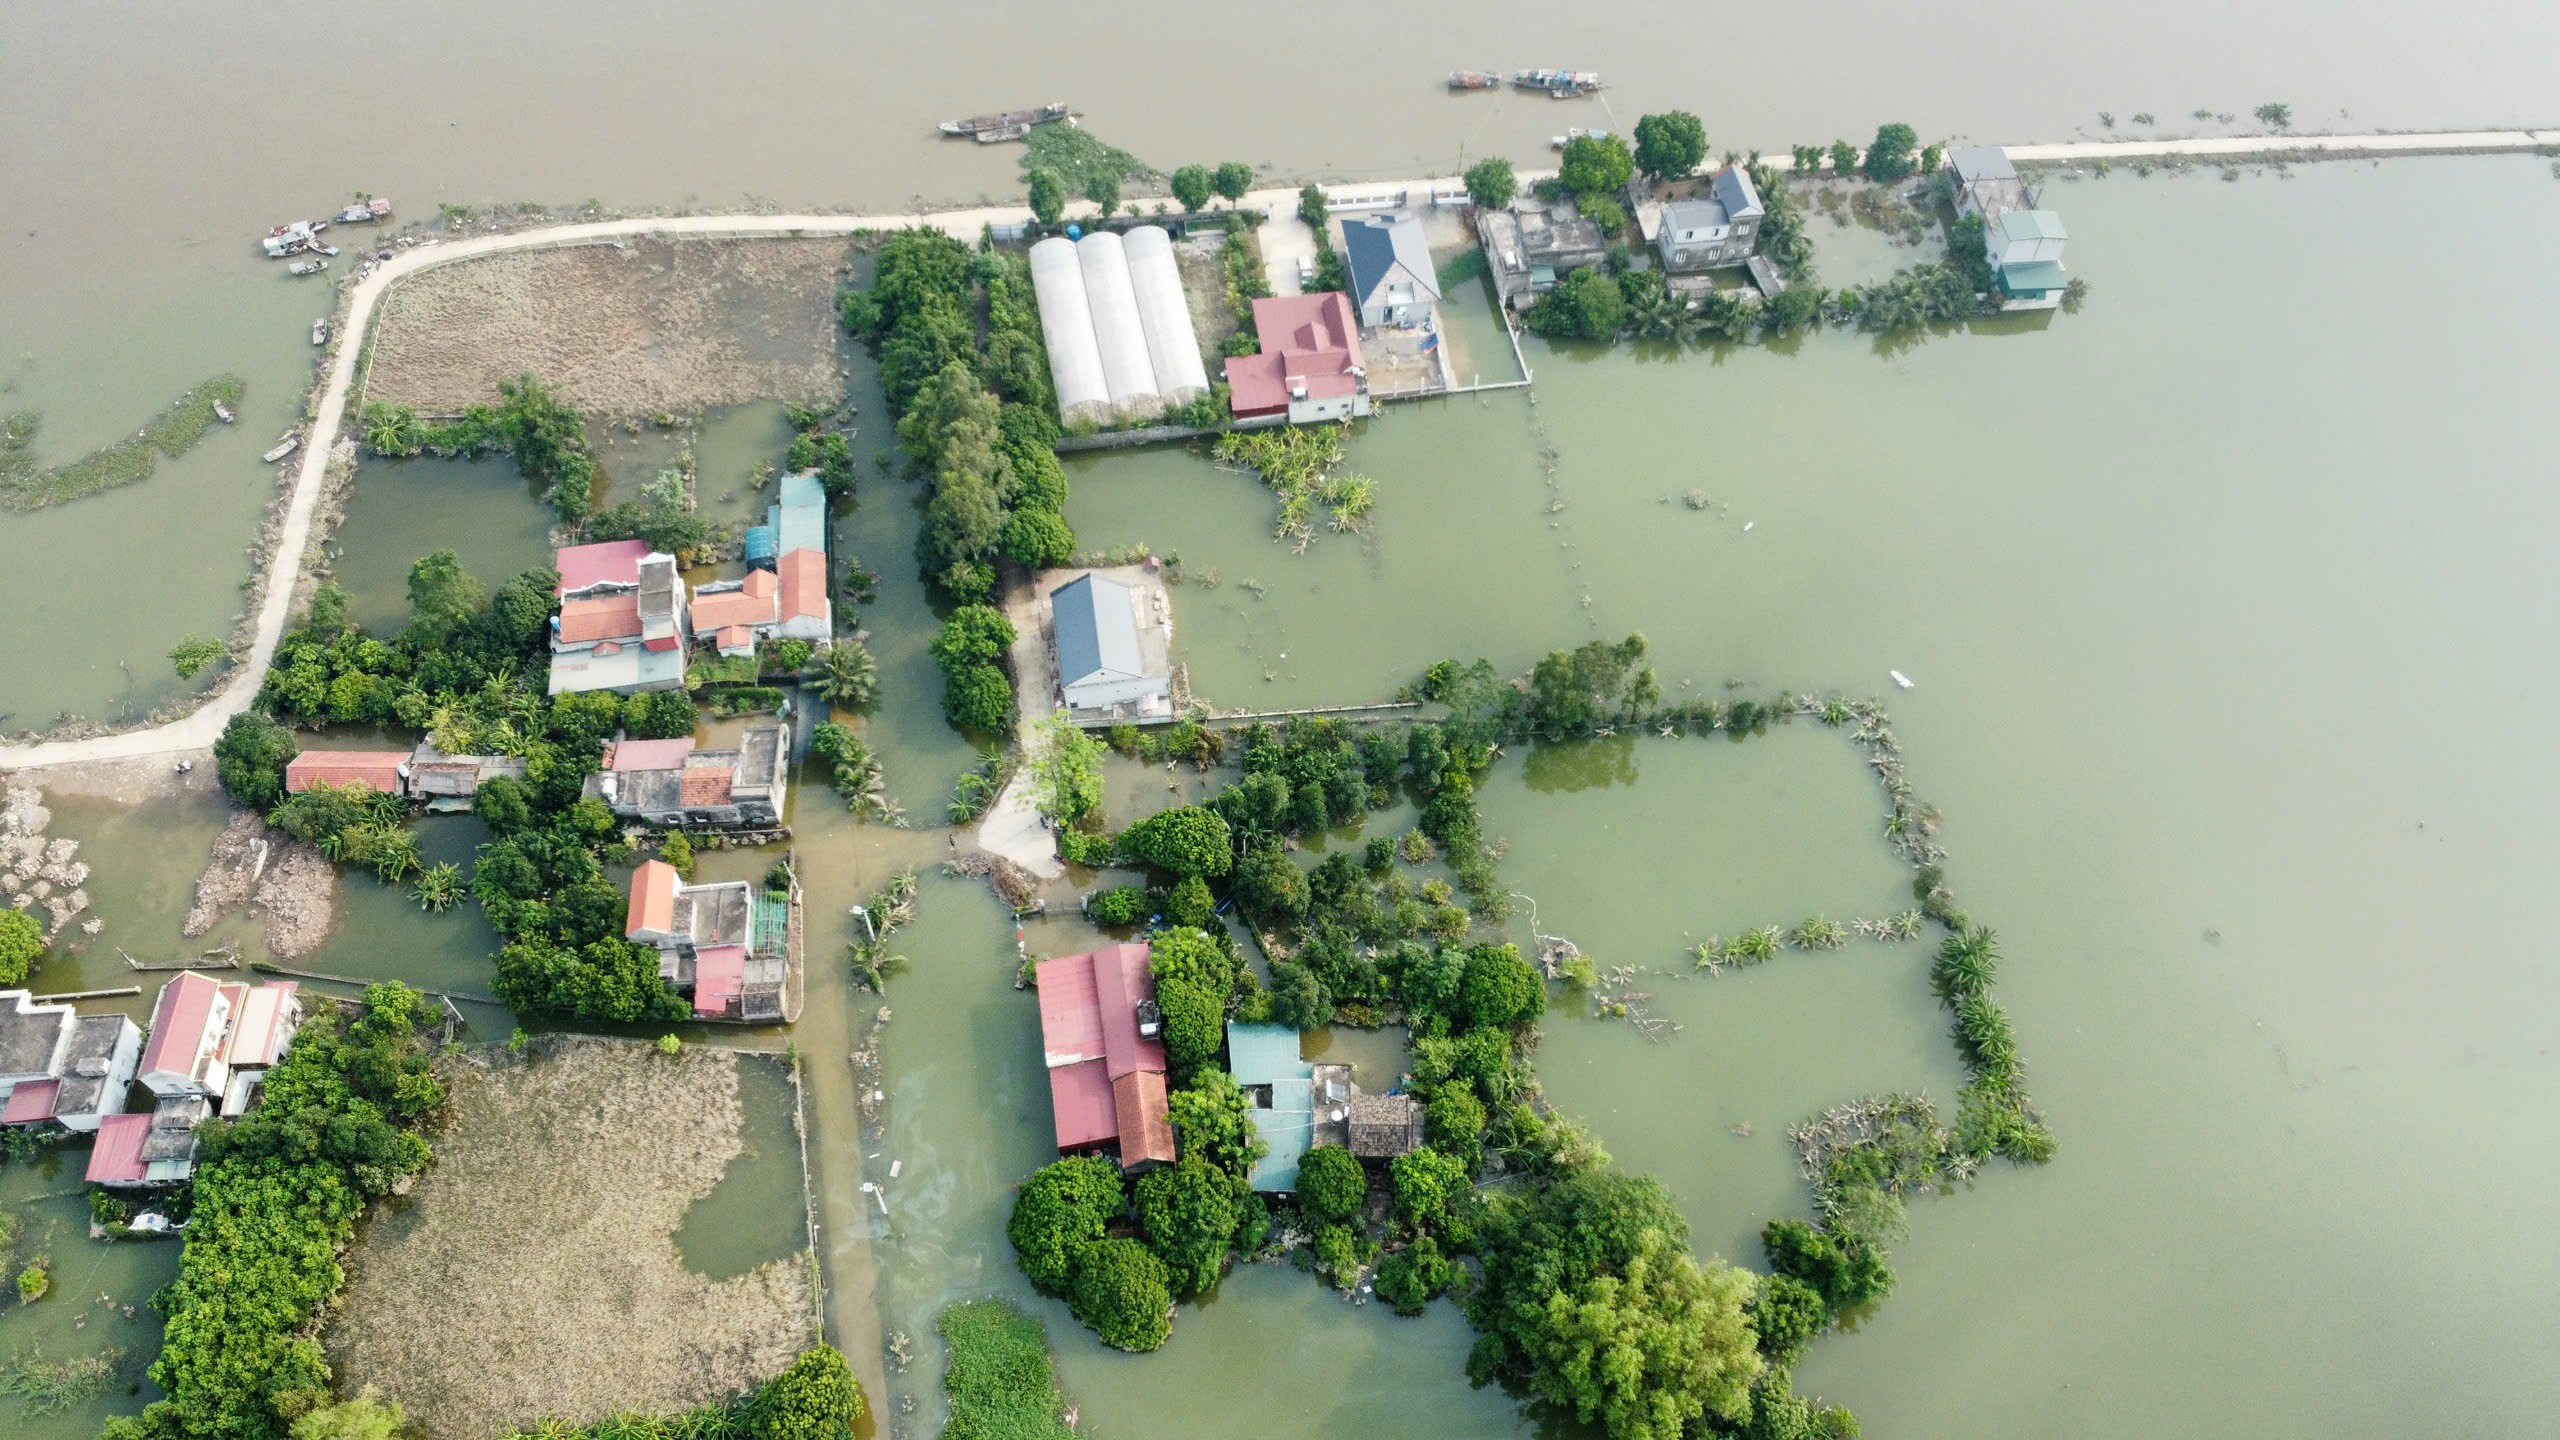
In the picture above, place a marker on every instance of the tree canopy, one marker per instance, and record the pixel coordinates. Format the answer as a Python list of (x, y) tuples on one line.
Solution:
[(1895, 153), (1185, 839), (1232, 180), (1192, 185), (1125, 1294), (816, 1399), (251, 756), (1596, 165), (1670, 145), (1048, 196), (1188, 1211), (1059, 1213), (1331, 1185), (21, 945), (1491, 184), (1585, 305)]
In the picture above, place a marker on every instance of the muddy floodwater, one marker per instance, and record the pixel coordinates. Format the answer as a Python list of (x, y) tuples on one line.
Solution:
[(2228, 602)]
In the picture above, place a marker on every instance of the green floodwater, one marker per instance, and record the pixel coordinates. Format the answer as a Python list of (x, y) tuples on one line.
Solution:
[(82, 1316), (752, 1216), (2220, 598)]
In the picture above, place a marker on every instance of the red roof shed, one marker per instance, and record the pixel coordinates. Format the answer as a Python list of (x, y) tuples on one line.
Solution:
[(31, 1101), (117, 1157), (377, 770)]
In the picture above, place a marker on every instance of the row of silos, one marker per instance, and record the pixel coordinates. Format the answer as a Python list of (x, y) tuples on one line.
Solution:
[(1117, 326)]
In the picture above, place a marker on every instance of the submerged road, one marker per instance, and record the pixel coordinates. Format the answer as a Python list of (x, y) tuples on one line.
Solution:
[(198, 730)]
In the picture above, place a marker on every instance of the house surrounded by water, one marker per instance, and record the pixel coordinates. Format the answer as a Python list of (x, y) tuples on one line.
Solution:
[(678, 784), (621, 625), (60, 1067), (1114, 662), (1392, 279), (212, 1044), (725, 944), (1100, 1042)]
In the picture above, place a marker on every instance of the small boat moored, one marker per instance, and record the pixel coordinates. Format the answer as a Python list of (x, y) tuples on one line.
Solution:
[(1009, 119), (291, 442), (1474, 79), (372, 210), (1558, 142), (1900, 679), (320, 332), (306, 267), (291, 239), (223, 413), (1002, 133)]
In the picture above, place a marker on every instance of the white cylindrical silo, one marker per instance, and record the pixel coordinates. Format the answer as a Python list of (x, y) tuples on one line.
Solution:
[(1066, 326), (1125, 366), (1173, 347)]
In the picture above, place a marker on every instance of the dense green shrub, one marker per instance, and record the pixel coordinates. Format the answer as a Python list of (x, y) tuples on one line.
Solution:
[(1000, 1380), (1410, 1278), (1120, 905), (1123, 1292), (1186, 840), (1787, 1313), (1188, 1213), (251, 756), (816, 1399), (1059, 1213), (21, 945), (1331, 1185)]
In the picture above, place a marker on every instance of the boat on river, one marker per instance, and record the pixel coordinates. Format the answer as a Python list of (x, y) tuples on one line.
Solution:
[(1002, 133), (1474, 79), (293, 237), (306, 267), (371, 211), (223, 413), (1900, 679), (1561, 84), (1558, 142), (282, 448), (320, 332), (977, 125)]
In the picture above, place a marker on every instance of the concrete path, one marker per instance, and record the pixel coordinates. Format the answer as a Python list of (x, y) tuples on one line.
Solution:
[(198, 730)]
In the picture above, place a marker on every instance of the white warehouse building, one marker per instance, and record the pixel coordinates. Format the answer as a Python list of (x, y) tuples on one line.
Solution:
[(1118, 328), (1172, 346), (1066, 327)]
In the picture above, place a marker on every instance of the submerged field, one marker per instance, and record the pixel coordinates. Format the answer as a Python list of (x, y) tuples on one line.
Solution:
[(535, 1271)]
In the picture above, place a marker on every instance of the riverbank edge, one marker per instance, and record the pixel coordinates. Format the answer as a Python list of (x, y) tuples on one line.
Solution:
[(288, 556)]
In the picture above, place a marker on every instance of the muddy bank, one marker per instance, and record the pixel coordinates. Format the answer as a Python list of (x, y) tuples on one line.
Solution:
[(533, 1272), (297, 899), (622, 329), (238, 863), (38, 873)]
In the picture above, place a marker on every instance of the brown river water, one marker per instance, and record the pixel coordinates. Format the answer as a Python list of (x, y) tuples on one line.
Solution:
[(2229, 602)]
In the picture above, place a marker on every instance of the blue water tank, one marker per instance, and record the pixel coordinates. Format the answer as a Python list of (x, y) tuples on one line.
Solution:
[(760, 547), (1075, 232)]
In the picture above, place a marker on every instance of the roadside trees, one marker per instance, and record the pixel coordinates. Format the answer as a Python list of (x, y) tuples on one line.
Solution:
[(1104, 190), (1192, 185), (1232, 180), (1892, 157), (1844, 158), (1491, 184), (1670, 145), (1597, 165), (1048, 196), (251, 756)]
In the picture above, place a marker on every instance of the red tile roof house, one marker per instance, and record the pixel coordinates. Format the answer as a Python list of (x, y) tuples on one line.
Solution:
[(622, 627), (385, 772), (58, 1067), (1098, 1034), (720, 943), (1309, 368), (210, 1050)]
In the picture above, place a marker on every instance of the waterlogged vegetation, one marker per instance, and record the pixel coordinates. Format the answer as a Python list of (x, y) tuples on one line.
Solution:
[(545, 434), (1297, 462), (25, 485)]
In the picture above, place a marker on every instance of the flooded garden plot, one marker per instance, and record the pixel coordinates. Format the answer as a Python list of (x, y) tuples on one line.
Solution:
[(627, 329), (551, 1214)]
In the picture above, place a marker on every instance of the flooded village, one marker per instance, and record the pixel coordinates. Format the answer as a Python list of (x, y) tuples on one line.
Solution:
[(966, 819)]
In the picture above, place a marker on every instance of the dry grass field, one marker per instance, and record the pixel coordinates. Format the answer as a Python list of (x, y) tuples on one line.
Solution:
[(534, 1273)]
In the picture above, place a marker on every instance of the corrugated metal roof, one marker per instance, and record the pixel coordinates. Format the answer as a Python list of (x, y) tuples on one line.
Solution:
[(608, 562), (264, 1025), (1070, 1017), (1288, 1129), (1261, 1054), (719, 978), (2035, 275), (1081, 1105), (29, 1101), (117, 1157), (378, 769), (1981, 162), (1096, 618), (2032, 225), (647, 754), (178, 1021), (1145, 1124), (653, 898), (611, 616), (1121, 979), (799, 516)]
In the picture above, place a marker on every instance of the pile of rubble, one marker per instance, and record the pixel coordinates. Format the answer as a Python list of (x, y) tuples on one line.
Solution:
[(37, 872)]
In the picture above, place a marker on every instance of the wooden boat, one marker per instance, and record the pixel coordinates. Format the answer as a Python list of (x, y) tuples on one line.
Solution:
[(1001, 134), (320, 332), (1474, 79), (306, 267), (284, 447), (1558, 142), (366, 212), (291, 239), (223, 413), (1007, 120), (1562, 84)]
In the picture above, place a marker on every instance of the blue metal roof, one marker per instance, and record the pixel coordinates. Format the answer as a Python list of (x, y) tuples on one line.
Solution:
[(1097, 623), (1260, 1054), (1288, 1128)]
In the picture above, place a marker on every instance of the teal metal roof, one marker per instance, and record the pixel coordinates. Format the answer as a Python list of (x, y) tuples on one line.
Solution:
[(1288, 1128), (2033, 276), (1262, 1054), (2033, 225)]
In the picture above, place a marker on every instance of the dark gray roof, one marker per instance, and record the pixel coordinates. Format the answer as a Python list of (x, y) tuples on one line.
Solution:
[(762, 753), (713, 914), (1981, 162), (1373, 246), (1741, 198), (1097, 623)]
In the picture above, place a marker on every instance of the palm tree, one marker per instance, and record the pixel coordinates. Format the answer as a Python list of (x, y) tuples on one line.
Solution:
[(390, 429), (438, 887), (849, 676), (1966, 965)]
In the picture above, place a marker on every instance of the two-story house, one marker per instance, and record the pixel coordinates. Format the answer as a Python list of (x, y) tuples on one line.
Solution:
[(1392, 280), (623, 627), (1718, 228), (2025, 251), (61, 1067), (724, 944), (677, 784), (211, 1047)]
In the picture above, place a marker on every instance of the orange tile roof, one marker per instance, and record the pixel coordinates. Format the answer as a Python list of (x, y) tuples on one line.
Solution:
[(752, 604), (804, 583), (704, 785), (600, 617), (653, 898), (1139, 1107), (377, 769)]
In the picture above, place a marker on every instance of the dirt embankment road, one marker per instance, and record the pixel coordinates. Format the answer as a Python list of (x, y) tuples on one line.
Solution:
[(199, 729)]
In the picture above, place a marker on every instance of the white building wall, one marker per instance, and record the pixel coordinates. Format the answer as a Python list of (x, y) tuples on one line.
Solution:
[(1126, 368), (1173, 347), (1066, 326), (1099, 694)]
